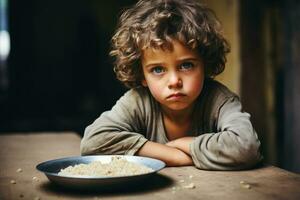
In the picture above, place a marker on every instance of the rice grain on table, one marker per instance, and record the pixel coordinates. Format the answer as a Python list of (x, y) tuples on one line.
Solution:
[(117, 167)]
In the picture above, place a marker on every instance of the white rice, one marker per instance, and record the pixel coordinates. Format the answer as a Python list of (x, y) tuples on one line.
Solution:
[(117, 167)]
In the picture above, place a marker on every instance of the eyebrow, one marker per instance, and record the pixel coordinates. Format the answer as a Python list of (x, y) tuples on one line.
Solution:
[(154, 64), (178, 60)]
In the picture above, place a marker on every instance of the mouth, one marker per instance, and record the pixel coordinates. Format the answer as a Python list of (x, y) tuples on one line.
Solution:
[(176, 96)]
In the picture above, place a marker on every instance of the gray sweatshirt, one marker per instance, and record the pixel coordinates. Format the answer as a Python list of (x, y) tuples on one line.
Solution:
[(224, 136)]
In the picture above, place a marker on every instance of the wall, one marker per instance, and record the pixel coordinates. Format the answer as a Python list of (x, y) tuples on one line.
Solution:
[(227, 12)]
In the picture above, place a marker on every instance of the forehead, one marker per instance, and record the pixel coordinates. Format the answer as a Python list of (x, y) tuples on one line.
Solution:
[(176, 49)]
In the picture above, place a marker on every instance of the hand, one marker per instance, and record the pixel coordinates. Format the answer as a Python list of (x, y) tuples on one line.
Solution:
[(182, 144), (170, 155)]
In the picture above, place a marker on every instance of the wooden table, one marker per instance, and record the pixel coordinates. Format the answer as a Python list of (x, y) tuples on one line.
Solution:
[(19, 179)]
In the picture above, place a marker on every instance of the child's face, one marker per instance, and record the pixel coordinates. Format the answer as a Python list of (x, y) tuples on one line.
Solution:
[(175, 78)]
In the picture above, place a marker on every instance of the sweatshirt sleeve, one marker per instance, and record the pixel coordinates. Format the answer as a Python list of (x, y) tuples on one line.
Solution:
[(234, 146), (118, 131)]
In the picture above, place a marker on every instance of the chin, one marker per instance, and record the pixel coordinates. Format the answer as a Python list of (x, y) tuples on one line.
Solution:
[(178, 107)]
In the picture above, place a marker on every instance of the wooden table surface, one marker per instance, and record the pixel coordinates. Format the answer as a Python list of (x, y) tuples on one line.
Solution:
[(20, 153)]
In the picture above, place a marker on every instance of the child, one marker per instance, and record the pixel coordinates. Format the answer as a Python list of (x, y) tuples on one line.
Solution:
[(167, 52)]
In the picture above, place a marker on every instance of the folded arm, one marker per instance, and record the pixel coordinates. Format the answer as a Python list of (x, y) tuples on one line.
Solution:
[(120, 131), (172, 156), (182, 144), (234, 146)]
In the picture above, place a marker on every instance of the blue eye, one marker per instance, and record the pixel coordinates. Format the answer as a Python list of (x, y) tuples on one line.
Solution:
[(157, 70), (186, 66)]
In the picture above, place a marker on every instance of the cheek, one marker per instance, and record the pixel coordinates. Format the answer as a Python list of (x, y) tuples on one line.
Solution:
[(155, 89), (196, 88), (195, 84)]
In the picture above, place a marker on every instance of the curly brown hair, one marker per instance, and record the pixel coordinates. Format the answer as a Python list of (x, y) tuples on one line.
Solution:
[(155, 23)]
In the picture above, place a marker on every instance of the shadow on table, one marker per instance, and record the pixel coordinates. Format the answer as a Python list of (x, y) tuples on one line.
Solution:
[(153, 183)]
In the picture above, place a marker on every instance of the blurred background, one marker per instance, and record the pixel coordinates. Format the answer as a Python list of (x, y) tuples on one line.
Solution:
[(56, 75)]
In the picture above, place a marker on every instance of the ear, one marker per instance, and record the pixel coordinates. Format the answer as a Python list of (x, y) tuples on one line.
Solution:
[(144, 83)]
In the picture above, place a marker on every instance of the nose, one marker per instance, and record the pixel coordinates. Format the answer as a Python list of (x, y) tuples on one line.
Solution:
[(174, 81)]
